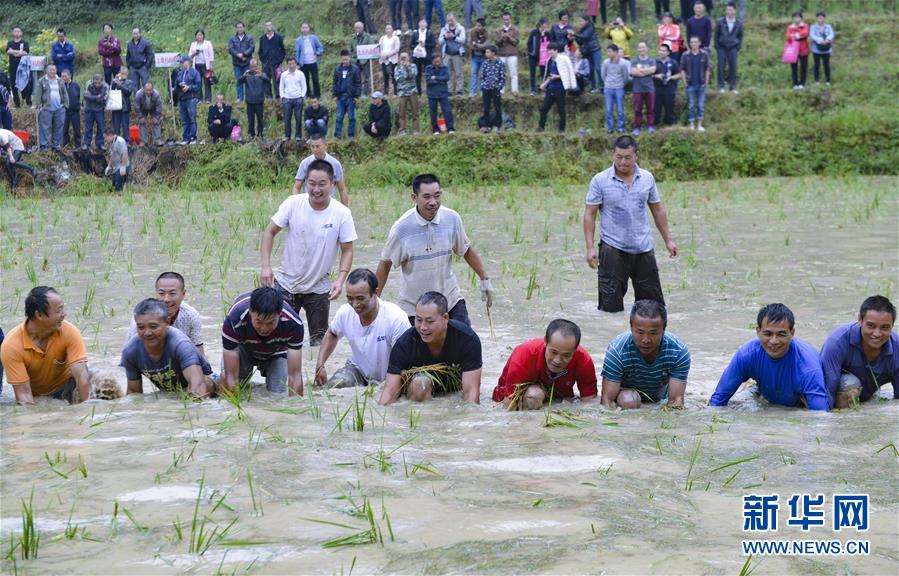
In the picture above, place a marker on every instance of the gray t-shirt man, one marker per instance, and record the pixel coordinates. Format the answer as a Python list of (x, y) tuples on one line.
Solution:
[(615, 74), (643, 84), (118, 154)]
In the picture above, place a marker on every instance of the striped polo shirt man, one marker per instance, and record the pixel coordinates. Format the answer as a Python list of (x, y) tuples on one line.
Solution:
[(238, 331), (625, 365)]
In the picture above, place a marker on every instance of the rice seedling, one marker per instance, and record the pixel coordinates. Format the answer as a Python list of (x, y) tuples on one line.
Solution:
[(414, 418), (891, 446), (238, 396), (532, 282), (31, 273), (747, 569), (412, 469), (202, 535), (444, 379), (130, 516), (358, 421), (30, 538), (372, 533), (81, 467), (694, 455), (257, 510), (555, 417)]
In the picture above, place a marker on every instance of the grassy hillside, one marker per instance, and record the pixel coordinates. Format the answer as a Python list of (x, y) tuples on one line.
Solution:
[(768, 129)]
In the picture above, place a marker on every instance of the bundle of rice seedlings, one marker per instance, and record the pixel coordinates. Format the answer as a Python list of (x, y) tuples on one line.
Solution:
[(445, 379), (515, 399)]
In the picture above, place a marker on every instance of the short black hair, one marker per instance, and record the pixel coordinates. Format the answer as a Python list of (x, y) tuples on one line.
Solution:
[(563, 13), (37, 301), (625, 142), (200, 31), (173, 276), (797, 13), (481, 21), (774, 314), (436, 298), (60, 30), (557, 46), (666, 46), (730, 4), (491, 48), (321, 166), (426, 178), (111, 27), (109, 131), (238, 23), (649, 309), (289, 58), (821, 13), (506, 13), (566, 327), (543, 20), (344, 52), (613, 47), (266, 300), (363, 275), (149, 306), (877, 304), (317, 135)]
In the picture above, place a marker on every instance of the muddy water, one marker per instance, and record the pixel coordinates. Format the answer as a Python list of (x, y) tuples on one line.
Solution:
[(465, 488)]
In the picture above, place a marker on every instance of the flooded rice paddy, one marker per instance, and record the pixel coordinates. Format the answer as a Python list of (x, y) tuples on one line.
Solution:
[(331, 483)]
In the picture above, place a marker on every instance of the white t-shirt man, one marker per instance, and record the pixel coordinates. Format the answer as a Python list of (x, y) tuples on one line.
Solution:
[(310, 248), (303, 170), (424, 251), (371, 345)]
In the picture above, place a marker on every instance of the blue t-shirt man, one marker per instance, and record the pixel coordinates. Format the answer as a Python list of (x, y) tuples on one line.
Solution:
[(794, 377), (167, 372), (625, 365), (842, 353)]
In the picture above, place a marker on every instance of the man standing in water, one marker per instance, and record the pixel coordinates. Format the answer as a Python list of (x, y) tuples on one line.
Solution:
[(862, 356), (319, 147), (45, 355), (436, 339), (164, 355), (170, 290), (787, 370), (645, 364), (422, 243), (371, 327), (551, 365), (620, 195), (317, 227)]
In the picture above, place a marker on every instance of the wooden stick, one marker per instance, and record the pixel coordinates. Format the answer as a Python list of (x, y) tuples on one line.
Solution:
[(490, 320)]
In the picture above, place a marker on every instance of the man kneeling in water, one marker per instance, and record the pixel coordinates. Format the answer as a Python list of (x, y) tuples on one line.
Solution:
[(443, 347), (647, 363), (553, 365), (164, 355)]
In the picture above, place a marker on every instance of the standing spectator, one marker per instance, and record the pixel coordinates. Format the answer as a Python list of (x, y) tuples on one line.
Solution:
[(73, 112), (697, 69), (625, 6), (15, 50), (12, 149), (437, 78), (665, 79), (379, 123), (363, 13), (187, 83), (662, 7), (110, 50), (797, 31), (308, 50), (452, 42), (728, 42), (410, 9), (389, 45), (5, 103), (361, 38), (139, 58), (470, 7), (63, 53), (591, 51), (423, 44), (255, 83), (53, 100), (95, 96), (218, 120), (559, 78), (345, 88), (687, 7), (119, 164), (148, 105), (620, 194), (493, 79), (642, 70), (620, 35), (121, 119), (405, 76), (315, 118), (559, 32), (616, 71), (478, 40), (538, 52), (241, 47), (822, 36), (670, 34), (271, 55), (292, 88), (396, 13), (597, 8), (430, 6), (203, 55), (700, 25), (506, 40)]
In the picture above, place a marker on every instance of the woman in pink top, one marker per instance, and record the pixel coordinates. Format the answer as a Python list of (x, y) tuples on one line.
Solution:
[(669, 32), (797, 31)]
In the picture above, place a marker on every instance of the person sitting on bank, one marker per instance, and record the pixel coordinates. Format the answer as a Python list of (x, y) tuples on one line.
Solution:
[(164, 355), (371, 326), (262, 331), (645, 364), (449, 351), (45, 355), (315, 118), (170, 290), (378, 125), (788, 370), (862, 356), (119, 164), (551, 366), (218, 120)]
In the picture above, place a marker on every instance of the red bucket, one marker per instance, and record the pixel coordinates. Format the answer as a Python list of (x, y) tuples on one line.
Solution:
[(23, 136), (134, 133), (441, 125)]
